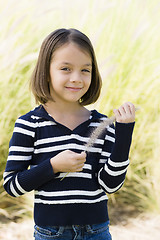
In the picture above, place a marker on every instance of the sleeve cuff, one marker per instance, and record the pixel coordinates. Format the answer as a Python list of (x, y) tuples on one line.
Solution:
[(123, 139), (37, 176)]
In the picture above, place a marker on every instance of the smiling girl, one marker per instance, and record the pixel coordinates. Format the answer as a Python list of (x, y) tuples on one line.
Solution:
[(49, 141)]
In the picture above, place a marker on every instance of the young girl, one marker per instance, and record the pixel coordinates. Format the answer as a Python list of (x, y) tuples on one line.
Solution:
[(51, 140)]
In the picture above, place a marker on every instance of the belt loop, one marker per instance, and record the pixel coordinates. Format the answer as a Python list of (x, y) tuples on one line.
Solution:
[(61, 230), (73, 226), (88, 228)]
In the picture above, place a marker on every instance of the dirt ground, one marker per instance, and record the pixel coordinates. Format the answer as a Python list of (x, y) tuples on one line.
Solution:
[(141, 227)]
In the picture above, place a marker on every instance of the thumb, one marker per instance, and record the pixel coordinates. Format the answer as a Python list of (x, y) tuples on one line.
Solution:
[(83, 154)]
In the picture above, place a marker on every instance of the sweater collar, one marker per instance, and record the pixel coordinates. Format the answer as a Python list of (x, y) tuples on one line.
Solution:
[(41, 112)]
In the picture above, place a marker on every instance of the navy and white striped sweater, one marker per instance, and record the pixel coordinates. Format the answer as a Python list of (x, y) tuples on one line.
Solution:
[(81, 197)]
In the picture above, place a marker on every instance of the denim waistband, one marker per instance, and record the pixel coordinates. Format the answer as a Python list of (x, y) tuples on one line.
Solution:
[(86, 227), (72, 230)]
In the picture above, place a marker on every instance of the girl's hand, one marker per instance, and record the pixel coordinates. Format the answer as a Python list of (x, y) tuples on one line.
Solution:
[(68, 161), (125, 113)]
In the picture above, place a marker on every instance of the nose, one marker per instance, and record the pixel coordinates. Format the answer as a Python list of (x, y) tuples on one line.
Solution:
[(75, 77)]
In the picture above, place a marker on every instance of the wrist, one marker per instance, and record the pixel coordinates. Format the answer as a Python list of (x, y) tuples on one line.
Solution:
[(55, 169)]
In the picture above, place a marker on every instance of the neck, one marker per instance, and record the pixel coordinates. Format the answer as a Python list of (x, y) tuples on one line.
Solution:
[(68, 108), (70, 116)]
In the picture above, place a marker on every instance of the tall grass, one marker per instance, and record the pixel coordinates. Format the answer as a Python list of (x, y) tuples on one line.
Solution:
[(126, 36)]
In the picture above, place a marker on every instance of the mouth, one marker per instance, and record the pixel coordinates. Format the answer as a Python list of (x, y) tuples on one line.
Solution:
[(73, 89)]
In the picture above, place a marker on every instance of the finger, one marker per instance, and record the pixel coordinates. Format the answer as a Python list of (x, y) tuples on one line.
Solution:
[(132, 107), (117, 115), (81, 156), (79, 169), (122, 110), (80, 166), (80, 162), (127, 108)]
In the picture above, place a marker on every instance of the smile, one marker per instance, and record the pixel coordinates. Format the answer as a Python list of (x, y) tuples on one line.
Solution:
[(73, 89)]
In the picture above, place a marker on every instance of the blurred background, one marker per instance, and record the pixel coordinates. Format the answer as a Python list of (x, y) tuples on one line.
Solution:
[(126, 38)]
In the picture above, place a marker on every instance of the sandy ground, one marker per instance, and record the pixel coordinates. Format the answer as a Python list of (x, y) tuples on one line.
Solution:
[(143, 227)]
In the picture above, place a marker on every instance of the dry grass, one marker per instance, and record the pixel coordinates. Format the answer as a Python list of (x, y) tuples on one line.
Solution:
[(125, 35), (143, 227)]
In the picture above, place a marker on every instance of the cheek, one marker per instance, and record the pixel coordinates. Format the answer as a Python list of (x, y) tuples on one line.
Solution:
[(55, 77), (88, 83)]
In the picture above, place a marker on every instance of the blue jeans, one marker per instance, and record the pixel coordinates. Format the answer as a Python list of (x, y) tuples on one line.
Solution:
[(74, 232)]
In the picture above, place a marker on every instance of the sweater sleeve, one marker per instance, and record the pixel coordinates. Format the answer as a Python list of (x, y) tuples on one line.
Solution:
[(115, 157), (18, 177)]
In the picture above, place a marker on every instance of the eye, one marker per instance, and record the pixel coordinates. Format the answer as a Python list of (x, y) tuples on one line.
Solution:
[(65, 69), (86, 70)]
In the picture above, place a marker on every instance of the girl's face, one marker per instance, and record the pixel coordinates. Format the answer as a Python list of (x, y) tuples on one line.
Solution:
[(70, 73)]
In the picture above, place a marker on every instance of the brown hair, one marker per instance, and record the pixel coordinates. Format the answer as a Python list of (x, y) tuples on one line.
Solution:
[(41, 75)]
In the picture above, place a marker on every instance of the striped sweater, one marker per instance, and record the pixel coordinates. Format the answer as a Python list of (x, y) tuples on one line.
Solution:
[(81, 197)]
